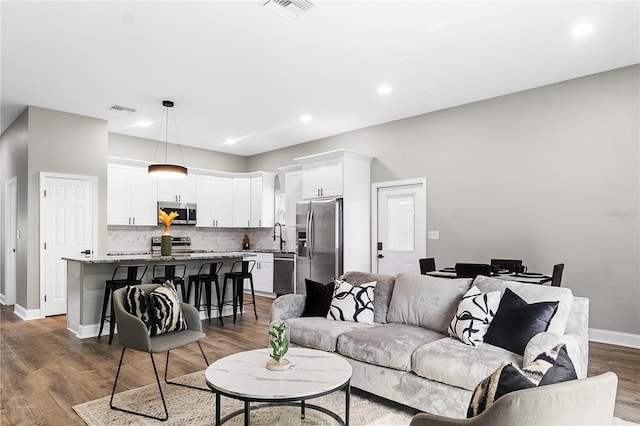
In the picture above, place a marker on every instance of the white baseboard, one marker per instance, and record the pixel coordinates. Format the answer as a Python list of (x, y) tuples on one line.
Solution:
[(614, 338), (25, 314)]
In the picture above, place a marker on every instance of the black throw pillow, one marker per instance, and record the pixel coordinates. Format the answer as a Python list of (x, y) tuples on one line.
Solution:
[(517, 321), (318, 299)]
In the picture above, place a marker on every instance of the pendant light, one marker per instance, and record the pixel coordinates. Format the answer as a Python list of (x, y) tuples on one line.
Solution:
[(167, 170)]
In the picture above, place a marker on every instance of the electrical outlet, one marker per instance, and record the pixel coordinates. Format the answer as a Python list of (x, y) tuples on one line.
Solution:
[(433, 235)]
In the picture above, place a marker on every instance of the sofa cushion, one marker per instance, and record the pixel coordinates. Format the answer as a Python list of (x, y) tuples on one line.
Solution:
[(389, 345), (517, 321), (474, 314), (533, 293), (318, 298), (352, 303), (319, 333), (381, 295), (452, 362), (426, 301), (553, 366)]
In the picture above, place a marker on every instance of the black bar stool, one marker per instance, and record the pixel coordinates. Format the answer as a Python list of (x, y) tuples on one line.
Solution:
[(174, 273), (206, 276), (118, 280), (240, 271)]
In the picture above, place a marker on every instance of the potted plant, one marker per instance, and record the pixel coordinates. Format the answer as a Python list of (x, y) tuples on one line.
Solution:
[(278, 345)]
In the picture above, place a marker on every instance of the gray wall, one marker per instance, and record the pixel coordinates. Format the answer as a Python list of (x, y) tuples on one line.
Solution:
[(549, 175), (13, 145)]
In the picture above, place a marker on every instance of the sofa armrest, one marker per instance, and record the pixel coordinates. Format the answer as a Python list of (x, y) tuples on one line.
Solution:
[(287, 306)]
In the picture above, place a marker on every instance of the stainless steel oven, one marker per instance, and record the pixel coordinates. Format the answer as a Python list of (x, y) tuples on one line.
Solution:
[(187, 212)]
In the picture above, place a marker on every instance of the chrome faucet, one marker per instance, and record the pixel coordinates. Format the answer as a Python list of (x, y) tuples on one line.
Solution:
[(280, 235)]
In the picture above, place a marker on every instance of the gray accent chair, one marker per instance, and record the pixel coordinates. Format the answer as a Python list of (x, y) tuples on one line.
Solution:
[(133, 334), (580, 402)]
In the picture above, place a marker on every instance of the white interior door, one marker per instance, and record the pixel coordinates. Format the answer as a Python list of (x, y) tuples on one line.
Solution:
[(401, 228), (68, 231), (11, 240)]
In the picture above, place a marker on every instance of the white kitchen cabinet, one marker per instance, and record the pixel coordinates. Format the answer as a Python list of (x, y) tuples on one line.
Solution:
[(323, 178), (241, 202), (262, 273), (293, 182), (223, 201), (182, 190), (262, 200), (131, 196), (214, 200)]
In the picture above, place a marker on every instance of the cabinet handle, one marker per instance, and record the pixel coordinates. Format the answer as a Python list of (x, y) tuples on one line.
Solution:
[(134, 220), (129, 220), (260, 222), (248, 223)]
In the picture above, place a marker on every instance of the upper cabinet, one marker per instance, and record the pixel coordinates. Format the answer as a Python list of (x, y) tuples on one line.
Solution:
[(293, 179), (181, 190), (262, 200), (131, 196), (334, 173), (241, 202), (235, 200)]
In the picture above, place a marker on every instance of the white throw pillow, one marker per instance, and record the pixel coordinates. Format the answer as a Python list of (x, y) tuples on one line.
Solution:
[(351, 303), (474, 314)]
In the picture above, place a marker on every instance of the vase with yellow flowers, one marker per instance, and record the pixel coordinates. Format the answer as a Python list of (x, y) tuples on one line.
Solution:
[(165, 247)]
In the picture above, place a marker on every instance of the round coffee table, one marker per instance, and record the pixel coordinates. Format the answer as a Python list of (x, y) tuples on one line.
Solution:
[(313, 373)]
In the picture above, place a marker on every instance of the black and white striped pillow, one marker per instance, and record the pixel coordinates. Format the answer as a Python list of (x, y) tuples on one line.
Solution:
[(474, 315), (351, 303), (159, 310)]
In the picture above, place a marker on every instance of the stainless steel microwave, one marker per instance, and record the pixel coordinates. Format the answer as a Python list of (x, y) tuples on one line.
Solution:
[(187, 214)]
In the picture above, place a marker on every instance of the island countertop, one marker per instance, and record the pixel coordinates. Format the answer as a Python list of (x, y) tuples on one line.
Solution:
[(158, 258)]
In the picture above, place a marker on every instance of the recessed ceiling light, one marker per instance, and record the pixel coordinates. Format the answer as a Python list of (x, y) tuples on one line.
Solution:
[(384, 89), (143, 123), (306, 118), (582, 30)]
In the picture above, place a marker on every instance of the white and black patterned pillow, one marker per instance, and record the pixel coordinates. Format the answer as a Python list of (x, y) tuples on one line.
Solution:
[(165, 313), (352, 303), (159, 310), (474, 314)]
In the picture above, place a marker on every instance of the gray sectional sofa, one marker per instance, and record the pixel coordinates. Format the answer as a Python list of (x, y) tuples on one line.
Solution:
[(407, 356)]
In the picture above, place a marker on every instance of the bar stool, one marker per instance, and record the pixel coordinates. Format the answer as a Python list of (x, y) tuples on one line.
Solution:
[(133, 277), (163, 273), (206, 276), (240, 271)]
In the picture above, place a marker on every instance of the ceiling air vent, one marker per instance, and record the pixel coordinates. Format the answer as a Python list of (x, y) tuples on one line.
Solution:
[(288, 9), (121, 108)]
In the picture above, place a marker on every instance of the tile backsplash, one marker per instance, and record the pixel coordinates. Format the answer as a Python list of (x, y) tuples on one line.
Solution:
[(135, 239)]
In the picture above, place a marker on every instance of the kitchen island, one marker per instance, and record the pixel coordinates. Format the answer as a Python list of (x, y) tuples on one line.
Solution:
[(86, 276)]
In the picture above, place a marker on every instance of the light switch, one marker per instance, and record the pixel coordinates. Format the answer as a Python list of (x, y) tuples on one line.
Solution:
[(433, 235)]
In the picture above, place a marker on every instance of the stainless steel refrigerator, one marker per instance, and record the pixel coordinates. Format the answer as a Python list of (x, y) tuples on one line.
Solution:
[(319, 241)]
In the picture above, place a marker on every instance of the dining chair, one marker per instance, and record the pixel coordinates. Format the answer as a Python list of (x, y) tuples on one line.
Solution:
[(472, 270), (134, 334), (508, 264), (427, 265), (556, 276)]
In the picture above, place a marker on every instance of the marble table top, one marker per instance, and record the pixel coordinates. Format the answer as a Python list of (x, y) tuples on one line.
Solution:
[(246, 376)]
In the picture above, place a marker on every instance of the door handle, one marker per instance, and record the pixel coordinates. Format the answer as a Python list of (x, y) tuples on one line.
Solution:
[(380, 256)]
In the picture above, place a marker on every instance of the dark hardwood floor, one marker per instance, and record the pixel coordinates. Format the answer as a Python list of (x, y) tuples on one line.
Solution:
[(45, 370)]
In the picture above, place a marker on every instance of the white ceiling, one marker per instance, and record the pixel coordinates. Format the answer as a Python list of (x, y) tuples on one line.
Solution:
[(237, 71)]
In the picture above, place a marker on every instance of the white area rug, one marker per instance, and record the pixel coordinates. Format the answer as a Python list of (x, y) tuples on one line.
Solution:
[(192, 407)]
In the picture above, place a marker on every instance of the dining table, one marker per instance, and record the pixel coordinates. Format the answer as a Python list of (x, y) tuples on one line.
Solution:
[(522, 277)]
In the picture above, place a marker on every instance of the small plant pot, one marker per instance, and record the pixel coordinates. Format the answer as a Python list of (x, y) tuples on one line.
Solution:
[(274, 365)]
